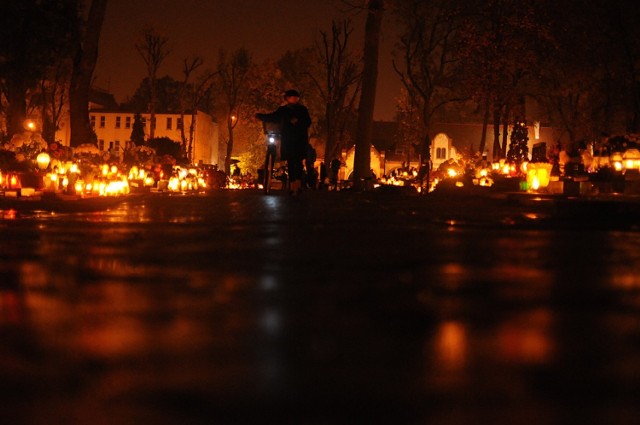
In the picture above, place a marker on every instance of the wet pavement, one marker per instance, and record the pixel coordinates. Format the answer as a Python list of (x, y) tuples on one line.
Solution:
[(330, 308)]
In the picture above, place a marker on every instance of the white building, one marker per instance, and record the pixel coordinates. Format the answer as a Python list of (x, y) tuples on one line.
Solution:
[(113, 130)]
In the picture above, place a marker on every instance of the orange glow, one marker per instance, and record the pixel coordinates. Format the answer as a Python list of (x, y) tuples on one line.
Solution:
[(526, 339), (29, 125), (451, 345)]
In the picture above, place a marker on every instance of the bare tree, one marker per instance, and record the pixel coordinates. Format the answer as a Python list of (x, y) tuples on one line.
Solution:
[(191, 95), (153, 49), (53, 94), (36, 37), (232, 75), (410, 126), (427, 63), (83, 67), (339, 82), (503, 45)]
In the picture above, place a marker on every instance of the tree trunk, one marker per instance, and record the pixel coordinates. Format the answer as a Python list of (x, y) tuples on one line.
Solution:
[(183, 135), (227, 158), (362, 161), (83, 66), (505, 132), (497, 151), (330, 146), (152, 106), (17, 108), (192, 131), (424, 174), (485, 124)]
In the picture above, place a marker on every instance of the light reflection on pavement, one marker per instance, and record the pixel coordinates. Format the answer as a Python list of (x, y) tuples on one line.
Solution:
[(332, 308)]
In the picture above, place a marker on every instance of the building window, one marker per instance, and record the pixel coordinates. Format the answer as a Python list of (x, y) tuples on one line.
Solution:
[(101, 144), (179, 123), (169, 123), (127, 122), (93, 121), (110, 146), (441, 153), (117, 122), (103, 121), (117, 145)]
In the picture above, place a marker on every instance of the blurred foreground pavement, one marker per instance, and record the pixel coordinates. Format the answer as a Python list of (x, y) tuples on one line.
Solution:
[(331, 308)]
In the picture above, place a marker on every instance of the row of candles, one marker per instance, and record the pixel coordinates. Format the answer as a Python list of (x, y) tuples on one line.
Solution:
[(66, 177)]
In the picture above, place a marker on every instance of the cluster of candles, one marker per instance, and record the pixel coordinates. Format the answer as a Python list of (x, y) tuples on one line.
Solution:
[(66, 177), (184, 179)]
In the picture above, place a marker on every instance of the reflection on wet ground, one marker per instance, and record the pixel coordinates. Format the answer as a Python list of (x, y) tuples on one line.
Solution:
[(329, 309)]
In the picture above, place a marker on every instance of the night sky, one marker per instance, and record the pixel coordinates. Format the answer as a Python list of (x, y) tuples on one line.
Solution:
[(267, 28)]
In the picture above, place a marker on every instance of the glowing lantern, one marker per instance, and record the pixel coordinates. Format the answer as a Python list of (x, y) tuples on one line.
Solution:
[(133, 172), (538, 175), (53, 181), (616, 160), (174, 184), (632, 159), (43, 159)]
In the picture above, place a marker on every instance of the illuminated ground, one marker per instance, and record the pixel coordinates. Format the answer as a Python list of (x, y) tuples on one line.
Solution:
[(334, 308)]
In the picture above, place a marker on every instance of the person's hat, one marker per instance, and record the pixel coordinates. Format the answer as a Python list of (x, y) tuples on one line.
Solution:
[(290, 93)]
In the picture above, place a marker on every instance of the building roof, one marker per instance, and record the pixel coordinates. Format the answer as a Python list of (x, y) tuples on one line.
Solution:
[(99, 98)]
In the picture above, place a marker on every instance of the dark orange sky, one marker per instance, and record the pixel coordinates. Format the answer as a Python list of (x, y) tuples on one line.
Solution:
[(267, 28)]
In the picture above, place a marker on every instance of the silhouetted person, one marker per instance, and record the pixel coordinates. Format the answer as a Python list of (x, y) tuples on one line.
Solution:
[(309, 164), (294, 121), (236, 171), (335, 169)]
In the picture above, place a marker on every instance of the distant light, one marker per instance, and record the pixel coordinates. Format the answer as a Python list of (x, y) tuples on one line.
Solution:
[(29, 125)]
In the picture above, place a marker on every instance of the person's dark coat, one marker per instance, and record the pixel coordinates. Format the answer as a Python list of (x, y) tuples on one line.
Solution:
[(294, 122)]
